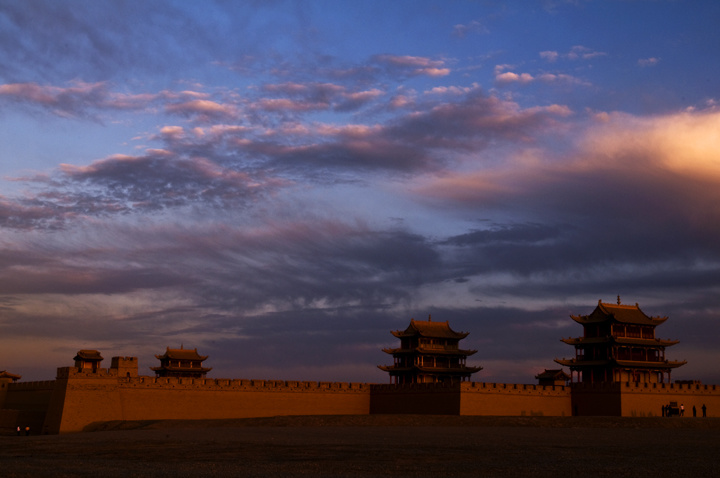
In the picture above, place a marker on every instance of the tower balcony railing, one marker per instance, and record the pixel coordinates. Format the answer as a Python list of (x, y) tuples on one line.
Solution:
[(438, 347)]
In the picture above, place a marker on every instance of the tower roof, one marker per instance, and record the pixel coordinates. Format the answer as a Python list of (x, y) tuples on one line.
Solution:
[(88, 355), (181, 354), (428, 328), (621, 313), (6, 374)]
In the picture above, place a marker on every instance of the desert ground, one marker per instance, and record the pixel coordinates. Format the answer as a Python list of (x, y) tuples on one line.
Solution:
[(378, 445)]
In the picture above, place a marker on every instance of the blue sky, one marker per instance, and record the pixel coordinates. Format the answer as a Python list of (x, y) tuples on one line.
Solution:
[(280, 184)]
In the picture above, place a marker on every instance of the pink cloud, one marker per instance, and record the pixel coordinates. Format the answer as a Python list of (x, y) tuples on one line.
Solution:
[(286, 104), (503, 77), (549, 55), (202, 107), (461, 30), (663, 170), (648, 61), (414, 65), (510, 77), (580, 52)]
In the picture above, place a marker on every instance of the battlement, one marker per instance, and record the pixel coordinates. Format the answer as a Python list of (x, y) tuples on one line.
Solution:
[(512, 387), (683, 388), (647, 387), (144, 381), (76, 372), (221, 384), (475, 387), (425, 387), (39, 385)]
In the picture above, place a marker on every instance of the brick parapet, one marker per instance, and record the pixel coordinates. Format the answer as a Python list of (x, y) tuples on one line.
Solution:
[(649, 387), (39, 385), (72, 374), (514, 388), (219, 384), (474, 387)]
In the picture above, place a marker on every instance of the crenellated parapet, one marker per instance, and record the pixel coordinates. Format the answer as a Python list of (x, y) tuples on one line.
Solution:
[(39, 385), (472, 398), (644, 387), (515, 388), (219, 384), (210, 384)]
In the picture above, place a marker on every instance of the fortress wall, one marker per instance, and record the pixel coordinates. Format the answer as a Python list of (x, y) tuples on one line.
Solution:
[(596, 399), (629, 399), (479, 398), (93, 397), (471, 398), (33, 396), (26, 404), (9, 420), (416, 398), (642, 400)]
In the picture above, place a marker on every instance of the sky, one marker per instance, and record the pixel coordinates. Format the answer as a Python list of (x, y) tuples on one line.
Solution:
[(280, 184)]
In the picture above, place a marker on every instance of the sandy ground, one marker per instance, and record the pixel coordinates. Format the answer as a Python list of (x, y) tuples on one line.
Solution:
[(380, 445)]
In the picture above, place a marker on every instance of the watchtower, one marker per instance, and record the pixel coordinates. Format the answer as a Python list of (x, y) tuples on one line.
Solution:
[(429, 353), (181, 363), (88, 360), (619, 345)]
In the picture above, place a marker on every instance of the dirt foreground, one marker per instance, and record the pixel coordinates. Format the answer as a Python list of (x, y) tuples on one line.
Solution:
[(377, 445)]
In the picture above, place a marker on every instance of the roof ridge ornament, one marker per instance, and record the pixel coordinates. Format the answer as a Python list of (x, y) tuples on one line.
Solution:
[(618, 299)]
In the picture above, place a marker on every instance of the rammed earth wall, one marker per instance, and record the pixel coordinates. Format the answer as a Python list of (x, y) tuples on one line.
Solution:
[(472, 398), (76, 399), (514, 399), (94, 397), (629, 399), (26, 405)]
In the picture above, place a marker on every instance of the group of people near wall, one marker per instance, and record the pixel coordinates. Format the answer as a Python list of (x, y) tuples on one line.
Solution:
[(672, 409)]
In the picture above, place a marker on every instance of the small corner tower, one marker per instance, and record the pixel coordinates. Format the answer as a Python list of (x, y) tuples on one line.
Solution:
[(429, 353), (553, 377), (124, 366), (88, 360), (619, 345), (181, 363)]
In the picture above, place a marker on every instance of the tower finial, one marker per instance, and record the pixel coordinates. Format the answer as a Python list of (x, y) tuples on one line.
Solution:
[(618, 299), (429, 318)]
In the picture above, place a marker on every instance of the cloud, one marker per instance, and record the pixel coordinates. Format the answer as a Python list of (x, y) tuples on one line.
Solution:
[(462, 30), (503, 77), (124, 184), (652, 61), (94, 100), (472, 123), (206, 108), (77, 100), (638, 198), (549, 55), (577, 52), (510, 77), (580, 52), (412, 65)]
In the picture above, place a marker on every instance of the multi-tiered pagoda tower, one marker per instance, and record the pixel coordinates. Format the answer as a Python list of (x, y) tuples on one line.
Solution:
[(181, 363), (619, 345), (429, 353)]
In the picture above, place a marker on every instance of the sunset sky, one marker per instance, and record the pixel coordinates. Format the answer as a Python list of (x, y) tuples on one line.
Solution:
[(280, 184)]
